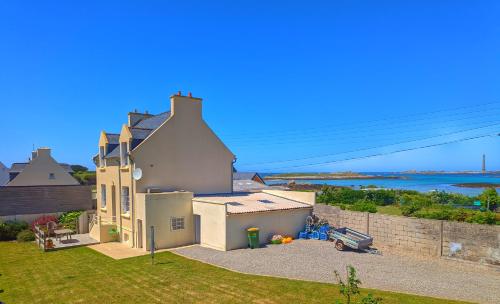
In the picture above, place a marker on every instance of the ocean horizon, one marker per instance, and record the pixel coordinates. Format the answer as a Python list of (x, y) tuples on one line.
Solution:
[(409, 181)]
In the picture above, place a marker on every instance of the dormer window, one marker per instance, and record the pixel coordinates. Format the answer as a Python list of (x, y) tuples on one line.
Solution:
[(101, 157), (124, 154)]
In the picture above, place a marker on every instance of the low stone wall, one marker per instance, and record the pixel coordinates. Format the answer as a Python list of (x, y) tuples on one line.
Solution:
[(421, 237)]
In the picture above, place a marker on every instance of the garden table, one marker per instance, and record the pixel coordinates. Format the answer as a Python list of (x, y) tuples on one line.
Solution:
[(63, 232)]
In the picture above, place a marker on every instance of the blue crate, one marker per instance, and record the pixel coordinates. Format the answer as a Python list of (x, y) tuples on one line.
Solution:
[(324, 229), (314, 235), (302, 235), (323, 236)]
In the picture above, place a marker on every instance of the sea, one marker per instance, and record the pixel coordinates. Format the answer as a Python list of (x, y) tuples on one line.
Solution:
[(418, 182)]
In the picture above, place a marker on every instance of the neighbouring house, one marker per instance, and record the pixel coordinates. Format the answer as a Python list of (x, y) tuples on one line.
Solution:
[(248, 176), (41, 186), (171, 172), (41, 170), (4, 174)]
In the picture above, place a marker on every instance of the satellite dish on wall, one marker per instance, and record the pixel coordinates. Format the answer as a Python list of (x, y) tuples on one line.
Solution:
[(137, 174)]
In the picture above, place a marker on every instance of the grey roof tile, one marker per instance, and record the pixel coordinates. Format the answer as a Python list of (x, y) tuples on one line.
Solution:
[(112, 138), (153, 122), (17, 167)]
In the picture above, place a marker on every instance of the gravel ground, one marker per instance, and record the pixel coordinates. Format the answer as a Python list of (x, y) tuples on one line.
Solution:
[(316, 261)]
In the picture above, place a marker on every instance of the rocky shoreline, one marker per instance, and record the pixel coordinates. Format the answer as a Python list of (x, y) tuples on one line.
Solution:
[(477, 185)]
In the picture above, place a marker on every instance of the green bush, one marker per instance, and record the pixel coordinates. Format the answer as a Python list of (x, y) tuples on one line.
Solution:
[(10, 229), (364, 206), (478, 217), (410, 209), (381, 197), (26, 236), (69, 219), (334, 196)]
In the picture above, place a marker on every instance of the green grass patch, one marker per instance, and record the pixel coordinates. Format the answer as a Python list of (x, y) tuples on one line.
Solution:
[(389, 210), (81, 275)]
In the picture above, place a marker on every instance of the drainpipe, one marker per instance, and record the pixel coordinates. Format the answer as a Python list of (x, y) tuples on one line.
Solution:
[(132, 197), (132, 200), (120, 202)]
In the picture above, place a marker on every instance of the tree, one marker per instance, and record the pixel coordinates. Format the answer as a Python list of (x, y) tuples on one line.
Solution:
[(350, 288), (79, 168), (489, 195)]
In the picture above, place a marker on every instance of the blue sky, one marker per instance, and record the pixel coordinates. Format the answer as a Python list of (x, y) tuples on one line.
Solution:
[(280, 81)]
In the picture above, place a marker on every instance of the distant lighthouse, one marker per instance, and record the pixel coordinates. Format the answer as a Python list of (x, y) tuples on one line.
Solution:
[(484, 163)]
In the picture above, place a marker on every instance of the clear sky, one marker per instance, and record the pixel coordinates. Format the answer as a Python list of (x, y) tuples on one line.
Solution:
[(281, 81)]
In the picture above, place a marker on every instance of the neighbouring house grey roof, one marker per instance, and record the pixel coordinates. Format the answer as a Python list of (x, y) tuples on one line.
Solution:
[(4, 174), (244, 175), (238, 203), (247, 185), (153, 122), (17, 167), (66, 167)]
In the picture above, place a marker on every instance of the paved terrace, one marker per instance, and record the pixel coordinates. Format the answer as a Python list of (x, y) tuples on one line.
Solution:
[(316, 261)]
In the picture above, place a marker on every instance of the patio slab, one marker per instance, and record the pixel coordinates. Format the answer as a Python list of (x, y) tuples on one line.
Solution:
[(75, 241), (118, 251)]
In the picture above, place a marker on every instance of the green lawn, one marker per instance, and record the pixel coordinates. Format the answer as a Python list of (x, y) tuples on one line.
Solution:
[(81, 275), (390, 210)]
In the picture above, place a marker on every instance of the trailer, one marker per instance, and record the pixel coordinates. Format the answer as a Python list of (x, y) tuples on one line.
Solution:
[(346, 237)]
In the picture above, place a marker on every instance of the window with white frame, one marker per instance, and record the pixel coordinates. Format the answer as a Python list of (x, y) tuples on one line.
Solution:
[(177, 223), (52, 176), (103, 196), (125, 199), (124, 154), (101, 156)]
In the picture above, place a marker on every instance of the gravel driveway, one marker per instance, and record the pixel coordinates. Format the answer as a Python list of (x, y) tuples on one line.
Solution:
[(316, 261)]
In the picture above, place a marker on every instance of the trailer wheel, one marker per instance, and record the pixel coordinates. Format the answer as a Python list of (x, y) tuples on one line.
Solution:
[(339, 245)]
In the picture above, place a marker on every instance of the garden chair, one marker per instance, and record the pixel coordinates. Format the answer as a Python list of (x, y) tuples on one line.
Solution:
[(51, 226)]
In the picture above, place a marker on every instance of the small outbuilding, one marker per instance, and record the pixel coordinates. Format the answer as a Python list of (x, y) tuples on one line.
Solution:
[(221, 221)]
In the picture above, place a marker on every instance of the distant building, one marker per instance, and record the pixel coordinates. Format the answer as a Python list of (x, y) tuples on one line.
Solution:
[(4, 174), (248, 176), (41, 170), (484, 163)]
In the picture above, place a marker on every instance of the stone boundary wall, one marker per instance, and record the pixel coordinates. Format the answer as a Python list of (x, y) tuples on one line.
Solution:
[(423, 237), (36, 200)]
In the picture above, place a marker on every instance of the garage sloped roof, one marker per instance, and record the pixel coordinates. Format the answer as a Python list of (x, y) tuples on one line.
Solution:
[(252, 202)]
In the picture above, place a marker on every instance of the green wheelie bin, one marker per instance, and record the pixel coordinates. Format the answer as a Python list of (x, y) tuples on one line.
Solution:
[(253, 237)]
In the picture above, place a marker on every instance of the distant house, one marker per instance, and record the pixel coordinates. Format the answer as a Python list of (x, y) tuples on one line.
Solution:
[(41, 170), (248, 176), (4, 174)]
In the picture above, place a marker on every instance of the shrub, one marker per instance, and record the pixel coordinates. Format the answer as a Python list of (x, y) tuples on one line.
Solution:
[(10, 229), (331, 196), (43, 220), (410, 209), (364, 206), (26, 236), (478, 217), (381, 197), (68, 219)]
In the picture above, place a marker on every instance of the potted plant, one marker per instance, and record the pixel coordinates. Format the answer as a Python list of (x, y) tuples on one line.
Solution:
[(113, 232), (49, 244)]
